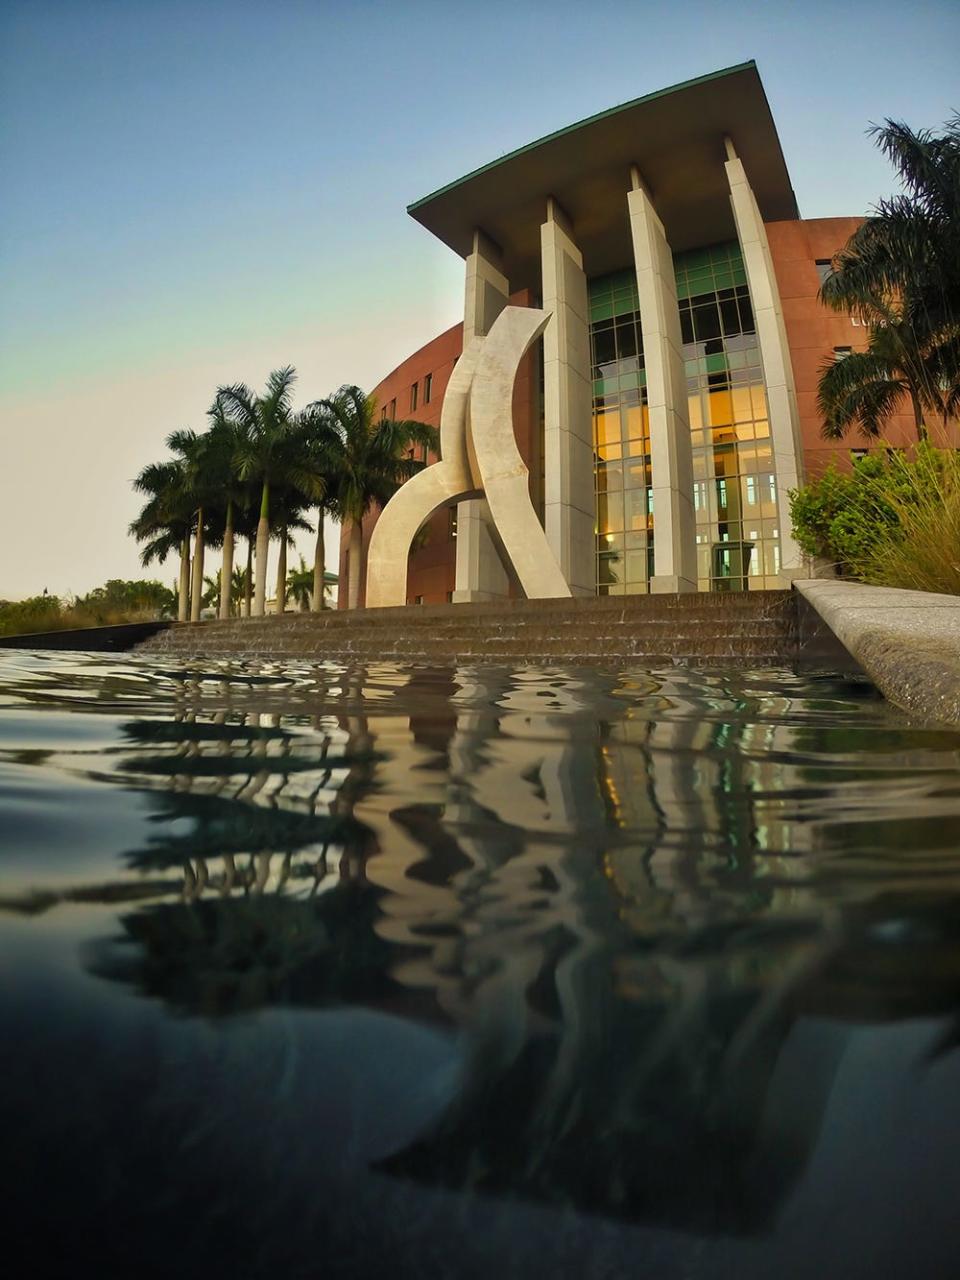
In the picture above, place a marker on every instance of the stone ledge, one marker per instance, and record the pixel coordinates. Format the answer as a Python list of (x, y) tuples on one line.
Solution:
[(115, 639), (908, 642)]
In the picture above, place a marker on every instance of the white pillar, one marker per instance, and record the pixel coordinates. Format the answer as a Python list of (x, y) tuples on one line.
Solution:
[(480, 573), (774, 355), (569, 502), (671, 452)]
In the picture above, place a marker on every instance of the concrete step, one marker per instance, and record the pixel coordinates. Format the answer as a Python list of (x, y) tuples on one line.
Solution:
[(523, 611), (756, 626)]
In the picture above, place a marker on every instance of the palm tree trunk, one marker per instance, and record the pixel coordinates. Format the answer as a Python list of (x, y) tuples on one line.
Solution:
[(918, 416), (263, 551), (226, 571), (353, 561), (282, 571), (197, 586), (183, 607), (248, 585), (319, 564)]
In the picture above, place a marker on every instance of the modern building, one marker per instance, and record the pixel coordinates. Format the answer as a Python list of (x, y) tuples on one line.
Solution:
[(670, 404)]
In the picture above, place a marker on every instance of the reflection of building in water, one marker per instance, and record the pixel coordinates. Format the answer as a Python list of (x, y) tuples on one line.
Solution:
[(716, 829), (601, 881)]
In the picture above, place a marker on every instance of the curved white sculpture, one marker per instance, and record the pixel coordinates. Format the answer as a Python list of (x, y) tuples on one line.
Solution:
[(479, 458)]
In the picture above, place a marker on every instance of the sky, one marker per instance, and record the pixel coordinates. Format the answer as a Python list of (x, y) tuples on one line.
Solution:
[(197, 193)]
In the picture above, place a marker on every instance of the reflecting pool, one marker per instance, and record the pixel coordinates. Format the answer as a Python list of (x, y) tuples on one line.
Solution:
[(439, 971)]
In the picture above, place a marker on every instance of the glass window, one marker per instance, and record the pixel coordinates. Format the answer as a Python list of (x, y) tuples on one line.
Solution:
[(626, 332), (706, 321), (824, 270), (427, 388), (607, 426), (730, 316), (413, 396), (610, 512), (686, 324), (636, 566), (841, 353), (604, 350), (620, 431), (610, 476), (728, 421)]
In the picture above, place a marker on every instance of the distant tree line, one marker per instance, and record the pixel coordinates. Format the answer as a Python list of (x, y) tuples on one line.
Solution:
[(116, 601)]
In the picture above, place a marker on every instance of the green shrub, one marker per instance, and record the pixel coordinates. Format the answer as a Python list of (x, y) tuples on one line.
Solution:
[(105, 606), (892, 521)]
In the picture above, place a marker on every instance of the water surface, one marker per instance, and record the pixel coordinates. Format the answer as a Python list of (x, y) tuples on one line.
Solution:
[(437, 971)]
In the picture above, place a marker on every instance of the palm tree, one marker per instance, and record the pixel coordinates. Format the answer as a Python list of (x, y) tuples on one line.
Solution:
[(321, 441), (165, 520), (238, 587), (367, 459), (287, 505), (865, 388), (246, 527), (911, 244), (301, 585), (223, 440), (900, 273), (212, 590), (198, 455), (265, 453)]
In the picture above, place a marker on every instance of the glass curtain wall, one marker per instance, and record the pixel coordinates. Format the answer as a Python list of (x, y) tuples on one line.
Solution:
[(734, 490), (734, 495), (621, 433)]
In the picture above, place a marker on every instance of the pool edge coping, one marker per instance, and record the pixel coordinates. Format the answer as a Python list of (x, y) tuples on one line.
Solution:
[(908, 642)]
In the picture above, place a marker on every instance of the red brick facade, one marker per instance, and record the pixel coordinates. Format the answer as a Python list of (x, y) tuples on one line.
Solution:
[(813, 332)]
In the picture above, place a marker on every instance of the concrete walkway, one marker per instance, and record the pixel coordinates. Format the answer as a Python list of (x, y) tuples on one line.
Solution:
[(908, 642)]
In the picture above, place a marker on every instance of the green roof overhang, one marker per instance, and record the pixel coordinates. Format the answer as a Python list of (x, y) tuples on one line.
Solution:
[(675, 137)]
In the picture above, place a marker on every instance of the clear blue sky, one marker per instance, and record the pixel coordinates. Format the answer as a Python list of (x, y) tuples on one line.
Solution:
[(196, 193)]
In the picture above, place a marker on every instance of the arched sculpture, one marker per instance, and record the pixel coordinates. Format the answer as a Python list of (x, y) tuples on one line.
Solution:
[(478, 458)]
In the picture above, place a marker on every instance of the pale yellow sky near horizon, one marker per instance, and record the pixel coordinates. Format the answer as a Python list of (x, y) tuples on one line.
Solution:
[(76, 448)]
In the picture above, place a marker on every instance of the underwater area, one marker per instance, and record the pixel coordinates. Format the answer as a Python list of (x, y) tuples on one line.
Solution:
[(414, 970)]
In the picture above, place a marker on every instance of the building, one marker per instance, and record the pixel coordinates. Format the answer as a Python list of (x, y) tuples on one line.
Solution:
[(671, 402)]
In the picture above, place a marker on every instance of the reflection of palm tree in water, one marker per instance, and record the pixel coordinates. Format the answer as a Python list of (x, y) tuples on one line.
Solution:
[(255, 856), (247, 765)]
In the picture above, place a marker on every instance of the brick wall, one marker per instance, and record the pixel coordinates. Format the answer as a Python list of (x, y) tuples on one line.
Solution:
[(813, 331)]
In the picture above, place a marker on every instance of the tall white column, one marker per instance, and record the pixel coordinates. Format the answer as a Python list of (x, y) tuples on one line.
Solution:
[(671, 451), (569, 502), (774, 355), (480, 573)]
